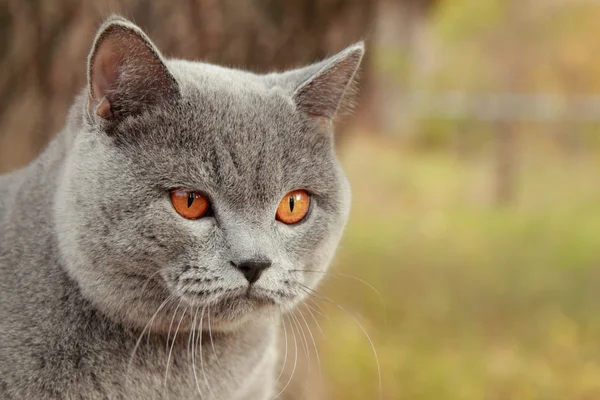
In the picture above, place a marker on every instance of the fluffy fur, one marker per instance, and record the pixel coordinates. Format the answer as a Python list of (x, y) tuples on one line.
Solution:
[(105, 291)]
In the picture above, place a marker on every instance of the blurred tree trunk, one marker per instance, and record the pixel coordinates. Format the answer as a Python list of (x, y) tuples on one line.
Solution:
[(510, 73), (44, 44), (403, 35), (506, 163)]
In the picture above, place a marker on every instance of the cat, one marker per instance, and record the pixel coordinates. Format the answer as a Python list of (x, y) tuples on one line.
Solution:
[(150, 251)]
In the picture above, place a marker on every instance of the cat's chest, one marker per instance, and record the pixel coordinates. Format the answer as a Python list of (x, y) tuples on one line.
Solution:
[(158, 370), (119, 367), (179, 375), (78, 355), (185, 369)]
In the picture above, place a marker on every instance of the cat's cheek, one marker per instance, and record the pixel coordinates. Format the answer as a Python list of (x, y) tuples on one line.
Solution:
[(297, 245), (201, 232)]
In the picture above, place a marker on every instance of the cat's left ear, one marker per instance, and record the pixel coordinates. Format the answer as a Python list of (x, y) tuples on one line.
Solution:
[(126, 73), (320, 89)]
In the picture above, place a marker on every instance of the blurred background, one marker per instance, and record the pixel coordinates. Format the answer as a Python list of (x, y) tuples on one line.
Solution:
[(472, 255)]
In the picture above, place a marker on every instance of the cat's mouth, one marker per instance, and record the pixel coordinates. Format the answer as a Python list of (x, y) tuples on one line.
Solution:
[(250, 296), (256, 297), (230, 307), (245, 298)]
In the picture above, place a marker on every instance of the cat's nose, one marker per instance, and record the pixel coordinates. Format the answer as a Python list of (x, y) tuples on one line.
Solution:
[(252, 269)]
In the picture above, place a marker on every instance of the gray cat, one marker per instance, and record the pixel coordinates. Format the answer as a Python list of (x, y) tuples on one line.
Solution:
[(152, 248)]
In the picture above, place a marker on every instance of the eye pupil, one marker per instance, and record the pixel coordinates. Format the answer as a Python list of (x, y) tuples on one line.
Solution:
[(293, 207), (189, 204)]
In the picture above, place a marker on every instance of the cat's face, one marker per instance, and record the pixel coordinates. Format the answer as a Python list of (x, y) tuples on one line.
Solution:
[(239, 141)]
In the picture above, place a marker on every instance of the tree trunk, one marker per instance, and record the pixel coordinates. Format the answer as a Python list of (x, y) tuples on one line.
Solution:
[(44, 44), (506, 164)]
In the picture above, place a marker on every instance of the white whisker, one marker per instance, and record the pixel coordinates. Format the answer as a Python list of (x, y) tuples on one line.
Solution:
[(310, 310), (313, 342), (343, 275), (319, 307), (201, 360), (319, 296), (171, 324), (315, 310), (303, 339), (212, 343), (139, 340), (194, 354), (286, 348), (171, 349), (293, 369)]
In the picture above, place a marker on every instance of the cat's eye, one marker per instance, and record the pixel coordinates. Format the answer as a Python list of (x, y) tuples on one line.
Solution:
[(189, 204), (293, 207)]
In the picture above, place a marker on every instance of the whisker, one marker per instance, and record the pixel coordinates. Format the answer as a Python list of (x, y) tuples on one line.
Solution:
[(315, 310), (171, 350), (201, 361), (171, 324), (320, 308), (310, 310), (212, 343), (341, 274), (314, 344), (194, 354), (293, 369), (303, 339), (139, 340), (286, 348), (322, 297)]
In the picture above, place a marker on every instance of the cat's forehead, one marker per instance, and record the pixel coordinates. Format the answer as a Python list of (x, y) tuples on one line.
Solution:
[(190, 74), (224, 133), (232, 103)]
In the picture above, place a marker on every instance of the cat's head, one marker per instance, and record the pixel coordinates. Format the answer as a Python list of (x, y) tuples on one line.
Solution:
[(200, 188)]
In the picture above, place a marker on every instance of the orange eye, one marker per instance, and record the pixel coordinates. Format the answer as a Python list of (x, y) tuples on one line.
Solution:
[(190, 205), (293, 207)]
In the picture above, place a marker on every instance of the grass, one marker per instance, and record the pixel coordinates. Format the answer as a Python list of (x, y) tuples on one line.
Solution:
[(482, 302)]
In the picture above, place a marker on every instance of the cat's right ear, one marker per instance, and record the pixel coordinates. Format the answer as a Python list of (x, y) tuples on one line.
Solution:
[(126, 73), (321, 89)]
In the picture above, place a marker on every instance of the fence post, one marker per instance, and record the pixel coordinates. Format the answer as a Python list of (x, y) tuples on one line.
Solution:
[(506, 167)]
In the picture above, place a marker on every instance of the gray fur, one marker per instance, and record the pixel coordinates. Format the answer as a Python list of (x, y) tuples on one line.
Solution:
[(91, 248)]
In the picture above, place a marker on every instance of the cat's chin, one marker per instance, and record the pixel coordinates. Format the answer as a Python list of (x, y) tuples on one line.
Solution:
[(232, 308)]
